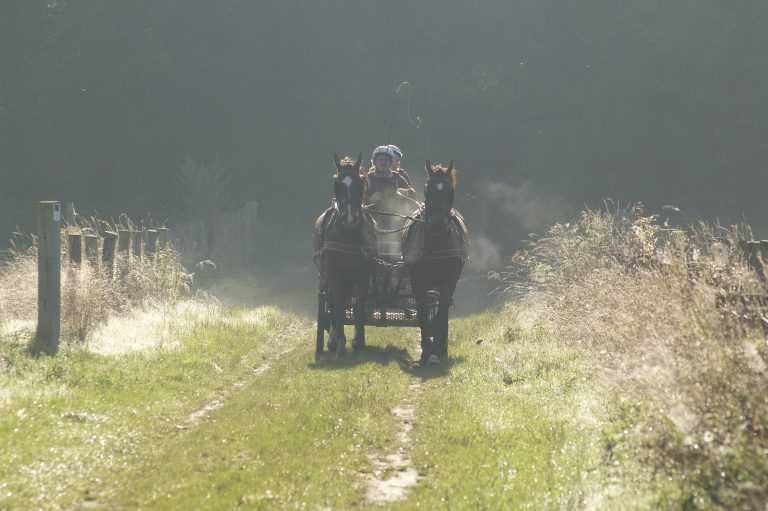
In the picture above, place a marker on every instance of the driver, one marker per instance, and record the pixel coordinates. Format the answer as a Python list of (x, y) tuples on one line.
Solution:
[(396, 165), (383, 181)]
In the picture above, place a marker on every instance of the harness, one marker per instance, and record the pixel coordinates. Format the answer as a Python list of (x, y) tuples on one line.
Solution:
[(457, 226), (322, 245), (346, 248), (448, 253)]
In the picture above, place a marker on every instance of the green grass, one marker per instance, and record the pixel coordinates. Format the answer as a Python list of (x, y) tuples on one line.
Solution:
[(512, 422), (67, 422), (502, 428), (294, 437)]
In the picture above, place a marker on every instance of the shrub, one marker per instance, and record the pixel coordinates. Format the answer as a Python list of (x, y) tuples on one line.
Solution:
[(673, 319), (90, 294)]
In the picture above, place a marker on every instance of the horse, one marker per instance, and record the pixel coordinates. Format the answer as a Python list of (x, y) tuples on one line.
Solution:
[(435, 246), (345, 243)]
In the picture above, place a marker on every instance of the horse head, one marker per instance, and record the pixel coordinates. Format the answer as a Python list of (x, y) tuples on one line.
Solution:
[(438, 196), (349, 185)]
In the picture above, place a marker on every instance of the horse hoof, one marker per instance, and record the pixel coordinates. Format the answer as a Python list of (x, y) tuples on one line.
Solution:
[(332, 345), (341, 352), (433, 359), (358, 346)]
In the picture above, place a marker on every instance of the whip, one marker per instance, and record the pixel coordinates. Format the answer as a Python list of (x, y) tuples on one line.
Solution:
[(415, 123)]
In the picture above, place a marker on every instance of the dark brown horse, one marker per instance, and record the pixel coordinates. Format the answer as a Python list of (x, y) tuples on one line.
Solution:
[(435, 247), (345, 243)]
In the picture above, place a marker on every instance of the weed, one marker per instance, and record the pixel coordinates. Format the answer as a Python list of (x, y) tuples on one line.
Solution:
[(672, 321), (91, 291)]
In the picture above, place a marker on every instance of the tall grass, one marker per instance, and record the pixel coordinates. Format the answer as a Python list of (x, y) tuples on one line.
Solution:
[(90, 293), (673, 322)]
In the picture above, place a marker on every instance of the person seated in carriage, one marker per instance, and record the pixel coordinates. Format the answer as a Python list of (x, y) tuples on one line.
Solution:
[(398, 156), (389, 194), (384, 182)]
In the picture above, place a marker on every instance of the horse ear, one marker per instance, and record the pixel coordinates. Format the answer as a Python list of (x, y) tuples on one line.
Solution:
[(337, 162), (450, 167), (428, 168), (358, 162)]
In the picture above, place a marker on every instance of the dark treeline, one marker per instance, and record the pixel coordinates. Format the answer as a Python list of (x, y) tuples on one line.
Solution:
[(545, 105)]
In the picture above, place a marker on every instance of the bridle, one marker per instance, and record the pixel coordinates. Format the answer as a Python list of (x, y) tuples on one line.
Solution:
[(348, 203), (443, 209)]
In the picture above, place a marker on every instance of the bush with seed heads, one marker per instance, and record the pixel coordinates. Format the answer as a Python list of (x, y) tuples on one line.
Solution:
[(674, 321), (90, 294)]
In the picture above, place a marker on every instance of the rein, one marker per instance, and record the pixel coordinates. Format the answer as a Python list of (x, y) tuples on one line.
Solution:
[(407, 217), (392, 231)]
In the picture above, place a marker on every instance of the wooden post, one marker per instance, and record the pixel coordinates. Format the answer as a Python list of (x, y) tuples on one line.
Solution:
[(136, 244), (48, 277), (123, 244), (123, 240), (764, 249), (151, 246), (162, 237), (75, 242), (754, 257), (108, 252), (92, 249), (744, 248)]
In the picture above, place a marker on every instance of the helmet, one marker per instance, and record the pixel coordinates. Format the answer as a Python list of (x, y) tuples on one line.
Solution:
[(383, 149), (396, 150)]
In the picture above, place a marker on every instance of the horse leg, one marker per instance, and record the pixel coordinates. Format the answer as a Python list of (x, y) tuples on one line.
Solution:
[(337, 321), (440, 348), (361, 293), (321, 302), (333, 327), (420, 295)]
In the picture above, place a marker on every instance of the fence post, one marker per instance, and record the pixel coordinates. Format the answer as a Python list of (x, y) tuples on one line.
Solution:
[(123, 244), (123, 240), (108, 252), (75, 248), (754, 258), (162, 238), (136, 244), (48, 277), (92, 249), (764, 249), (151, 247)]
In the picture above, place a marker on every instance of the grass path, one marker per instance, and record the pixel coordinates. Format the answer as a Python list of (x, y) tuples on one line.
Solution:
[(394, 473), (240, 416)]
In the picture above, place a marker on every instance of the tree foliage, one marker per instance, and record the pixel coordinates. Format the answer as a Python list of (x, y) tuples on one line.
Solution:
[(652, 100)]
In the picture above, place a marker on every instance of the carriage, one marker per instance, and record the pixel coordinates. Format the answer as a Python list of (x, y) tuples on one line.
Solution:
[(390, 300), (358, 289)]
